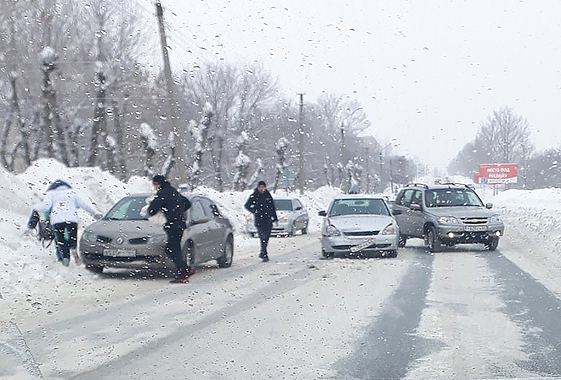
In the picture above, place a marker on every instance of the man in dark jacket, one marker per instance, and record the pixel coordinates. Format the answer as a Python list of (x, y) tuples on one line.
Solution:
[(174, 206), (261, 205)]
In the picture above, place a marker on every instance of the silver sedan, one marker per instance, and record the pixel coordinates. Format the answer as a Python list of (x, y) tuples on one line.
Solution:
[(292, 216), (359, 225), (123, 238)]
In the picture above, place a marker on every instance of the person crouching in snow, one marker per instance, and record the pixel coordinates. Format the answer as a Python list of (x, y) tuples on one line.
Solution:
[(261, 205), (61, 205)]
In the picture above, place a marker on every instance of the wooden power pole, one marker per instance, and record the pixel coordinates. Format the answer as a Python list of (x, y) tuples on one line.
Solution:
[(301, 178), (172, 102)]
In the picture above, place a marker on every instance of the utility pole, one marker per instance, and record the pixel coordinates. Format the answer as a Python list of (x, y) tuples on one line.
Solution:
[(172, 119), (367, 158), (301, 179)]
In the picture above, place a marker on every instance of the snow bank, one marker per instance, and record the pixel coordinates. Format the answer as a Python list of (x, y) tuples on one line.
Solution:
[(534, 215), (25, 264), (232, 204)]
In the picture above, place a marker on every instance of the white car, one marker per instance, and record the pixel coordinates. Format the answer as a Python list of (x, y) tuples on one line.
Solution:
[(292, 216), (359, 225)]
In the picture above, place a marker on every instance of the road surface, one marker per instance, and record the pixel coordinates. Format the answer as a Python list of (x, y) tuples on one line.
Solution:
[(461, 314)]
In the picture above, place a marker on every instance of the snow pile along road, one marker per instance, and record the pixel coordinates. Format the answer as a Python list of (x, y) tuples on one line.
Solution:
[(25, 264), (534, 216)]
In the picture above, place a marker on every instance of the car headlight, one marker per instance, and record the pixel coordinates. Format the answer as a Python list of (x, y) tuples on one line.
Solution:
[(89, 236), (389, 230), (448, 220), (249, 218), (332, 231), (284, 218), (495, 219)]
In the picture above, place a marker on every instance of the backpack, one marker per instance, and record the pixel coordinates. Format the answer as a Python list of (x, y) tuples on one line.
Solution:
[(45, 232)]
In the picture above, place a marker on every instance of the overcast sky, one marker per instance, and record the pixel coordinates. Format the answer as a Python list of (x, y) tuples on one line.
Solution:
[(427, 72)]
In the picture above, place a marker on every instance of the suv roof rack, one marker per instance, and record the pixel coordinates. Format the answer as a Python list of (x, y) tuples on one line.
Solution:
[(456, 184), (416, 184)]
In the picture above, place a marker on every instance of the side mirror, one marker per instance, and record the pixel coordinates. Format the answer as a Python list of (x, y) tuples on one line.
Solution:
[(298, 208), (199, 221), (415, 207), (489, 205), (322, 213), (397, 212)]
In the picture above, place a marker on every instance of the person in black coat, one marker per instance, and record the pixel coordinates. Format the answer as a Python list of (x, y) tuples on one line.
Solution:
[(261, 205), (174, 206)]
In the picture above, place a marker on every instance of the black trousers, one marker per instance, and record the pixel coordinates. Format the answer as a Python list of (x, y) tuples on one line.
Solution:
[(66, 237), (173, 250), (264, 229)]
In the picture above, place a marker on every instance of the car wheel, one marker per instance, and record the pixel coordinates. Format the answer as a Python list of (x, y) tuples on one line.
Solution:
[(434, 243), (95, 268), (253, 234), (305, 230), (492, 244), (291, 230), (226, 260), (326, 255), (391, 253), (190, 255), (402, 241)]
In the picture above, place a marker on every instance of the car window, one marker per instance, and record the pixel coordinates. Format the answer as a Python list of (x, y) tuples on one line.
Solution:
[(283, 204), (406, 198), (210, 209), (417, 197), (197, 211), (127, 209), (298, 204), (452, 198), (343, 207)]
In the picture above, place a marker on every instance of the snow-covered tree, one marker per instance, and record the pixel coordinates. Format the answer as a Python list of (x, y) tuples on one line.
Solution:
[(150, 145), (282, 146), (199, 132), (242, 162)]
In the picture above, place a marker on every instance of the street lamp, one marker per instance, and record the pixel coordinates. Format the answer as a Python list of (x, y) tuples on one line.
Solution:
[(395, 144)]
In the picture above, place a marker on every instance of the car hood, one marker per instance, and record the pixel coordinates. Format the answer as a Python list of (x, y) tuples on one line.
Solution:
[(128, 228), (360, 222), (461, 212)]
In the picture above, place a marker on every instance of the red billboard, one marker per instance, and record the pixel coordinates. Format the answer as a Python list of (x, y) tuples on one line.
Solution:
[(493, 174)]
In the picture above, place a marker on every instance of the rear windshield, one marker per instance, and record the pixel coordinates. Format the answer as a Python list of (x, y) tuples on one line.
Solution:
[(452, 198), (366, 206), (283, 204), (127, 209)]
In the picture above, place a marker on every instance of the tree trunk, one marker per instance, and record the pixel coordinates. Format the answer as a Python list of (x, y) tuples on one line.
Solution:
[(99, 122), (120, 163), (24, 135)]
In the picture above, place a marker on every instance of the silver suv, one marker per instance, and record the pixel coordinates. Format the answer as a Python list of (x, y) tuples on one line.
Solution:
[(446, 214)]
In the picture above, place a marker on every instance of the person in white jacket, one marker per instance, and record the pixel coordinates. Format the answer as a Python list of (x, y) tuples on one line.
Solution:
[(61, 203)]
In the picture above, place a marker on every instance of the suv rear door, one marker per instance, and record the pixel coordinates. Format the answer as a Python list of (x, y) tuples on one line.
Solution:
[(402, 204)]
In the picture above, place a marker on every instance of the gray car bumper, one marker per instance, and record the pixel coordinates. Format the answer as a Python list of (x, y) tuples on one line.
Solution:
[(343, 244), (470, 234)]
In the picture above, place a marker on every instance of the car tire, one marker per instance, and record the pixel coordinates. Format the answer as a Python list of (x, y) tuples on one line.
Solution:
[(434, 243), (305, 230), (190, 255), (402, 241), (95, 268), (391, 253), (291, 230), (492, 244), (226, 260), (326, 255), (253, 234)]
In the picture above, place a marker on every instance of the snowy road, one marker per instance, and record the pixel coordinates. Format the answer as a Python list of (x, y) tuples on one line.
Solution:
[(464, 313)]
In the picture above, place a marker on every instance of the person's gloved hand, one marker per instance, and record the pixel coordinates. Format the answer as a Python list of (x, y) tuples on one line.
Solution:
[(98, 216)]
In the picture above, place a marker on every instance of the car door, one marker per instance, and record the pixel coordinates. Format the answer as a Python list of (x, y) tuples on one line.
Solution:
[(199, 227), (216, 231), (301, 214), (401, 205), (416, 217)]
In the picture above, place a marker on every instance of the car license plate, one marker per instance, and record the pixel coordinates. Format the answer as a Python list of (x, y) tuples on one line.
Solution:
[(363, 245), (119, 252), (476, 228)]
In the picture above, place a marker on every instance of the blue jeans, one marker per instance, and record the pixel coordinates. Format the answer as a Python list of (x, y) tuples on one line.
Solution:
[(264, 229)]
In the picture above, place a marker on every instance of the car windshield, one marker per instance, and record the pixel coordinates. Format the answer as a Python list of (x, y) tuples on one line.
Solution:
[(364, 206), (283, 204), (127, 209), (452, 198)]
